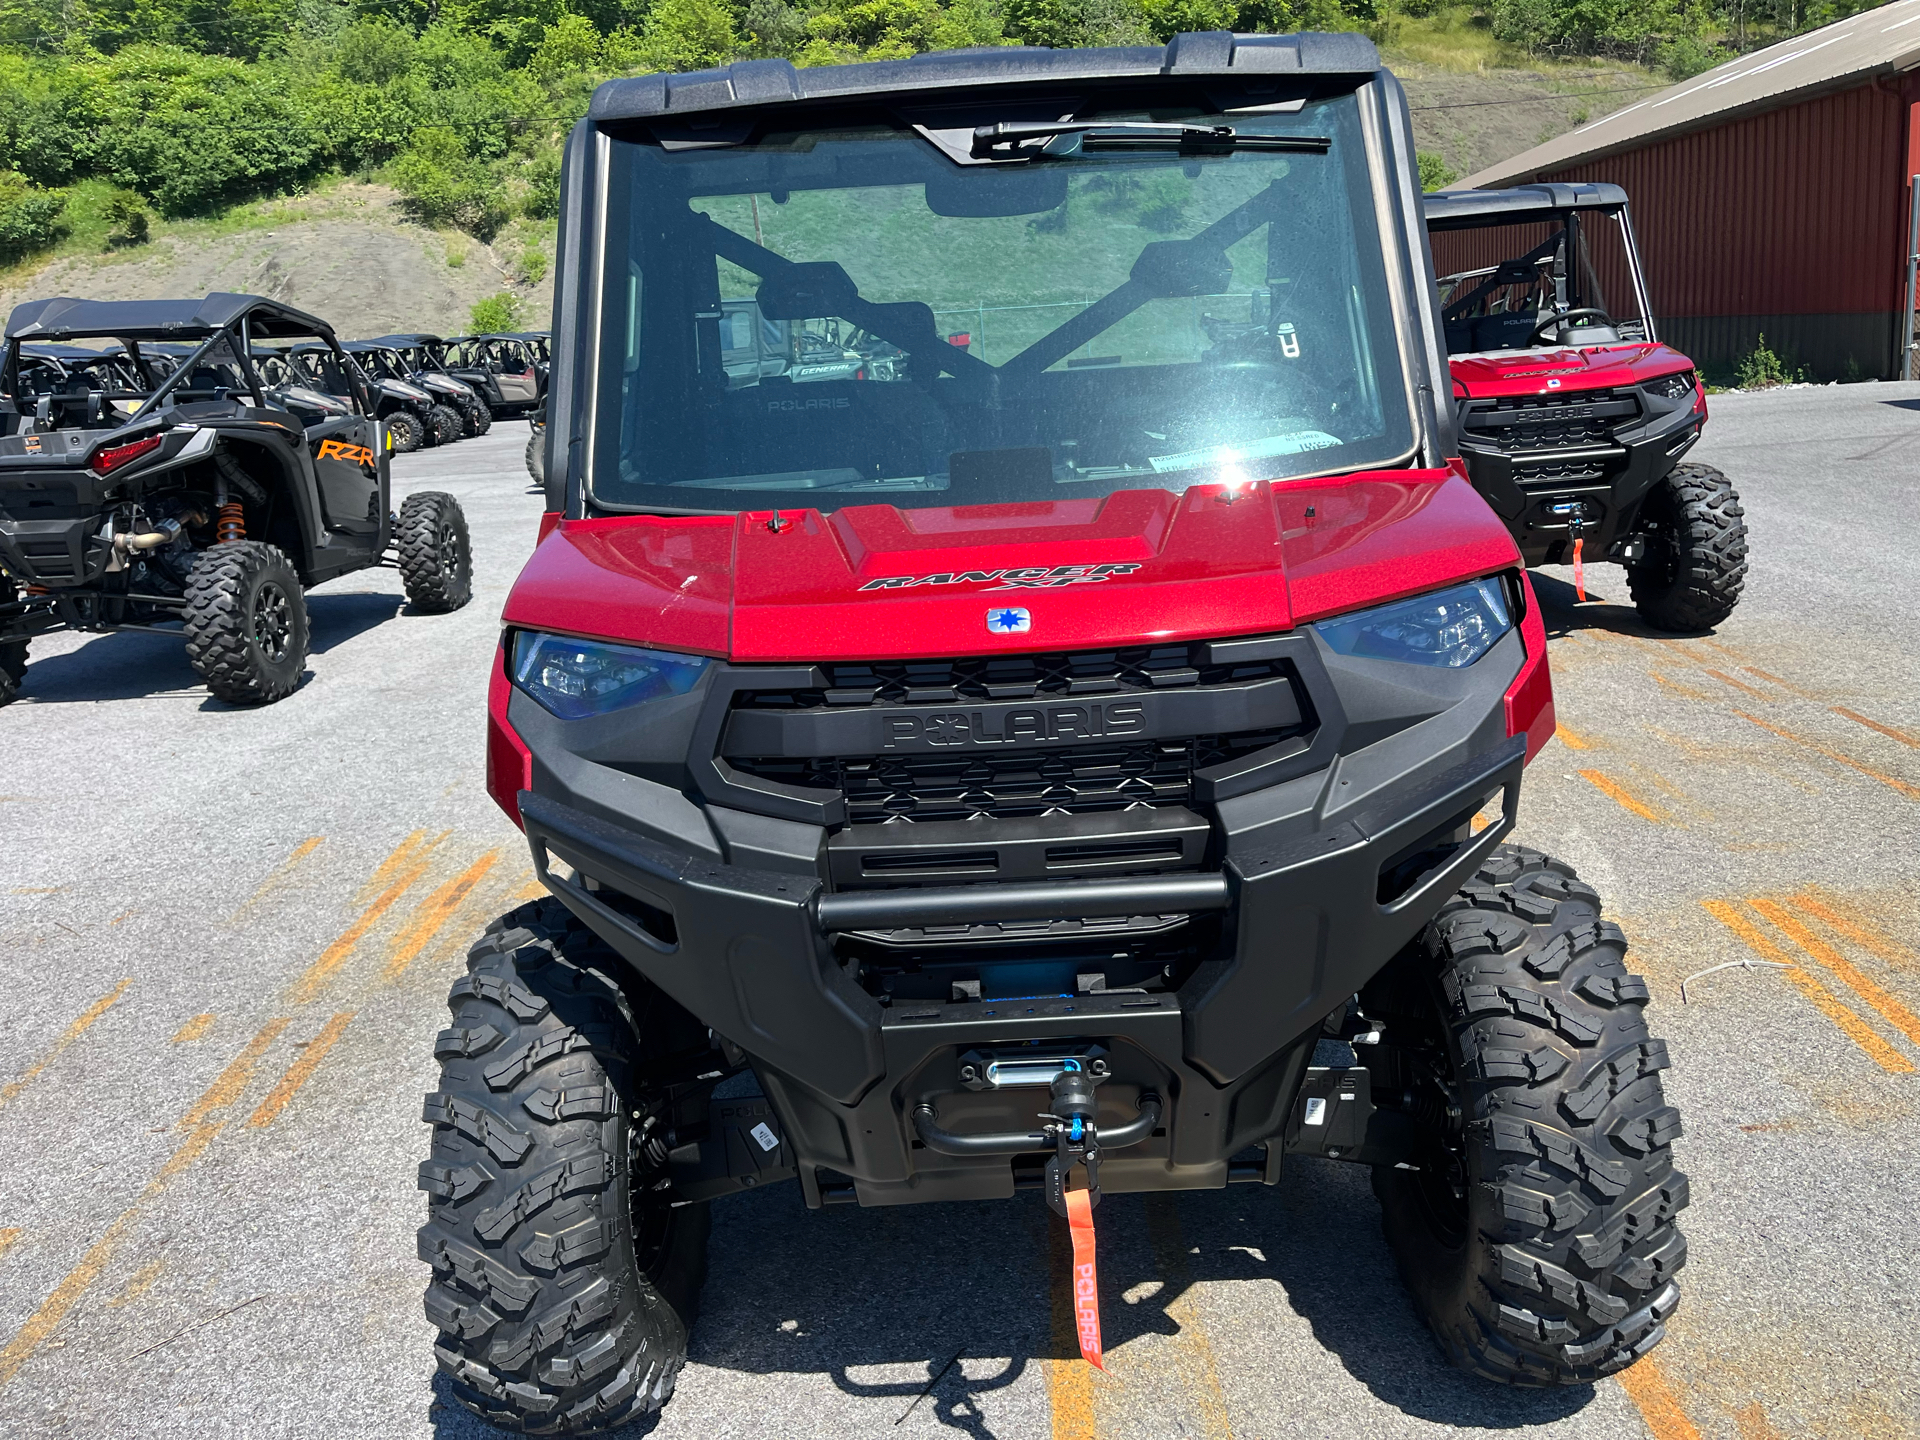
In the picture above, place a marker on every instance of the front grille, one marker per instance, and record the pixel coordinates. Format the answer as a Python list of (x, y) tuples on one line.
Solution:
[(1013, 785), (1516, 424), (1014, 677)]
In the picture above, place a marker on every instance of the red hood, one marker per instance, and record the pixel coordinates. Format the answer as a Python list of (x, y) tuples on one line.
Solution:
[(874, 582), (1541, 372)]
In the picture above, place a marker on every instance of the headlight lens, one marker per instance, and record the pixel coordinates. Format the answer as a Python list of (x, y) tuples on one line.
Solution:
[(1450, 628), (577, 678)]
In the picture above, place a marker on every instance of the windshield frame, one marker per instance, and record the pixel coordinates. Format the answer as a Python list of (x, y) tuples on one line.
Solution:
[(1401, 256)]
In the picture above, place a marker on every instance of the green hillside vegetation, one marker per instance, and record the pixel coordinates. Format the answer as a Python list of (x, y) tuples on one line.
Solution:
[(116, 114)]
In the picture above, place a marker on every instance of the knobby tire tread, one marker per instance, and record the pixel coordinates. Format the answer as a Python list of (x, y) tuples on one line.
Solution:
[(1566, 1270), (435, 552), (218, 622), (548, 1325), (1698, 508)]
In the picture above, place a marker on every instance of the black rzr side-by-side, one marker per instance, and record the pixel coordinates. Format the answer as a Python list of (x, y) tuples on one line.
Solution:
[(193, 467)]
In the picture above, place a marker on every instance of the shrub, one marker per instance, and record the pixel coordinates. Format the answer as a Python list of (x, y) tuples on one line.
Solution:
[(29, 217), (542, 177), (1762, 369), (532, 265), (444, 185), (495, 313), (128, 221), (688, 35), (1435, 173)]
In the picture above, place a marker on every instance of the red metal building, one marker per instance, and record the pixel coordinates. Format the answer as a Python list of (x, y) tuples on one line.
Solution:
[(1772, 195)]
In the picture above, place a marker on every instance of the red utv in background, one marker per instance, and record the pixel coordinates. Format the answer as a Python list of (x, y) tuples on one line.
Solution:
[(998, 770), (1574, 419)]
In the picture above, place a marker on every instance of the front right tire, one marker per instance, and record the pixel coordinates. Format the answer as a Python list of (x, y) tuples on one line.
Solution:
[(564, 1280), (1537, 1236)]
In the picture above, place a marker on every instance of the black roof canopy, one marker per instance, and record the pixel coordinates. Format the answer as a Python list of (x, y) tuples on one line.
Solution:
[(1472, 209), (400, 342), (64, 316), (924, 77)]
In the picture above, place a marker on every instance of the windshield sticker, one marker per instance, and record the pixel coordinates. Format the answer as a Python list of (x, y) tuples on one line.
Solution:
[(1032, 578), (1294, 444)]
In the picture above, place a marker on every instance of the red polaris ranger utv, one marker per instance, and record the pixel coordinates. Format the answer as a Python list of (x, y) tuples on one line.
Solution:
[(1573, 417), (999, 768)]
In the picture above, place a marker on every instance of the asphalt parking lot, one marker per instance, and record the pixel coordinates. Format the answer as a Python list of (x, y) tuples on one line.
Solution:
[(225, 938)]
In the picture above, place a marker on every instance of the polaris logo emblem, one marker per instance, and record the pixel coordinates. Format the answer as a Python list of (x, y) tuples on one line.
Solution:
[(1012, 727), (1009, 621), (1031, 578)]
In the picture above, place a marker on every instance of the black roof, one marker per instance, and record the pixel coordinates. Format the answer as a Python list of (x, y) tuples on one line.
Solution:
[(773, 82), (406, 341), (46, 350), (64, 316), (522, 335), (1470, 209)]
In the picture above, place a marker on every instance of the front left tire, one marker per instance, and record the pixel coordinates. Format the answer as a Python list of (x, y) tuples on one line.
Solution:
[(1696, 561), (564, 1279), (1537, 1235)]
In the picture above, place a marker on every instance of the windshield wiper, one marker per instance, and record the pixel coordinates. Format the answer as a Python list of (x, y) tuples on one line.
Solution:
[(1009, 139)]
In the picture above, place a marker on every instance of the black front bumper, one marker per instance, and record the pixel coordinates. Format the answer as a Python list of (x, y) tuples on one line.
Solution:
[(1306, 921)]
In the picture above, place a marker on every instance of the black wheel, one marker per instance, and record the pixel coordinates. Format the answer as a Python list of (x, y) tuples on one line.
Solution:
[(408, 431), (436, 557), (444, 425), (537, 457), (1696, 561), (1537, 1237), (476, 419), (13, 653), (246, 622), (564, 1281)]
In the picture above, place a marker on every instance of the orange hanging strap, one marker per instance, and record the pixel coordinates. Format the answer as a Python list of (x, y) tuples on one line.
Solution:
[(1579, 571), (1086, 1280)]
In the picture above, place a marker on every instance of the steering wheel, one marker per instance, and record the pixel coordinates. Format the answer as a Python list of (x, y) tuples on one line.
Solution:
[(1561, 317)]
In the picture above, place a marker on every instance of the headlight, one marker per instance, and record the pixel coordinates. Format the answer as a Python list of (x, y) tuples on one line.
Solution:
[(1451, 628), (577, 678), (1672, 387)]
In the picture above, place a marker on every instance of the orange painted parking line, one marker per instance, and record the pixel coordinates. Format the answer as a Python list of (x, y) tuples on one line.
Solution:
[(280, 872), (194, 1029), (1193, 1356), (300, 1071), (1887, 730), (335, 955), (434, 912), (1890, 1009), (201, 1129), (1773, 679), (1754, 1424), (1727, 679), (231, 1081), (1570, 739), (1678, 688), (1646, 1385), (9, 1237), (402, 855), (1912, 792), (67, 1036), (1621, 796), (1069, 1380), (1858, 931), (1851, 1025)]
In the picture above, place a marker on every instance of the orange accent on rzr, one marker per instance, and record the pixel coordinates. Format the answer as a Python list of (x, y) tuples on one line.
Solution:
[(340, 450), (1086, 1279), (231, 524), (1579, 571)]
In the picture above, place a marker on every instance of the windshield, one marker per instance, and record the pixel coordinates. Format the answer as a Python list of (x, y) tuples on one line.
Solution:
[(849, 317), (1500, 284)]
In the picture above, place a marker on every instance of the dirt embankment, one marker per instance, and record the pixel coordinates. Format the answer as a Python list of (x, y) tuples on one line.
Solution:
[(1475, 120), (347, 255)]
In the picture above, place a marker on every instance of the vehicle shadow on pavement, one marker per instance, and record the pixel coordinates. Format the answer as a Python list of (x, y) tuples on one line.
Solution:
[(335, 619), (1608, 607), (881, 1302)]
